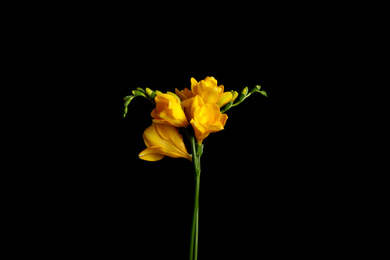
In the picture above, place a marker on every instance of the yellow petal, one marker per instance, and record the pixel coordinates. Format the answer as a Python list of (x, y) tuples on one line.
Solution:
[(211, 81), (188, 93), (194, 86), (171, 133), (166, 152), (151, 137), (184, 94), (200, 131), (223, 119), (163, 140), (149, 155), (181, 95), (224, 99), (201, 87), (168, 110), (191, 104), (211, 95)]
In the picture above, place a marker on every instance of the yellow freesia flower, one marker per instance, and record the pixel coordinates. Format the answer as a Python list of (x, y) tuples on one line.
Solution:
[(205, 117), (208, 90), (163, 140), (169, 111)]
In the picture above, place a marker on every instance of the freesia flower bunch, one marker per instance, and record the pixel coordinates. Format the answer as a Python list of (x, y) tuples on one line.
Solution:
[(198, 112)]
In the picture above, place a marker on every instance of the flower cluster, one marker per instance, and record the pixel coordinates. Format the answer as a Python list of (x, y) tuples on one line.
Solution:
[(202, 107)]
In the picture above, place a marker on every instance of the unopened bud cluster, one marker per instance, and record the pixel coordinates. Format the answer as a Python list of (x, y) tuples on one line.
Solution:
[(238, 98), (139, 92)]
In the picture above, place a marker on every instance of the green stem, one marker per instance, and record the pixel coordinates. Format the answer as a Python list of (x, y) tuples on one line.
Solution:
[(196, 154)]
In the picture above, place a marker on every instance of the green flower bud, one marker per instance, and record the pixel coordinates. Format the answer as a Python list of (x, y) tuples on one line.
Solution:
[(150, 93), (245, 91), (243, 95), (124, 112), (256, 88), (138, 93), (141, 90), (127, 100)]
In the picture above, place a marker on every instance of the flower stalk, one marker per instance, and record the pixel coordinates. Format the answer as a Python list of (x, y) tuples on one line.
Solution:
[(197, 150)]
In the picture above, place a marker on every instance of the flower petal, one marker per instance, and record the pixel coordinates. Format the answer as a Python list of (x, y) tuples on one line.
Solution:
[(165, 140), (172, 135), (201, 87), (169, 111), (224, 99), (211, 81), (181, 95), (149, 155), (194, 86), (223, 119), (151, 136), (211, 95)]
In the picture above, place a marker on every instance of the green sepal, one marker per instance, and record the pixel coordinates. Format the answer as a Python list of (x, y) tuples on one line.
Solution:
[(226, 107)]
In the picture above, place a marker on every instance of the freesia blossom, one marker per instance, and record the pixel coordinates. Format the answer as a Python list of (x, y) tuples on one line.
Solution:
[(163, 140), (169, 111), (208, 90), (205, 118)]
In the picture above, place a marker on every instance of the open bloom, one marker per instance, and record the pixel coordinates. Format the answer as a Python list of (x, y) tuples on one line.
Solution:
[(205, 118), (163, 140), (209, 91), (169, 111)]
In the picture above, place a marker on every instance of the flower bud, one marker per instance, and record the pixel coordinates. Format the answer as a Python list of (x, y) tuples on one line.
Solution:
[(256, 88), (127, 100), (245, 91), (234, 96), (150, 93), (243, 95), (141, 90), (138, 93), (124, 112)]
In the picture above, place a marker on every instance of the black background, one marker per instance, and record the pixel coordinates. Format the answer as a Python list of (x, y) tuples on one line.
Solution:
[(266, 189), (256, 173)]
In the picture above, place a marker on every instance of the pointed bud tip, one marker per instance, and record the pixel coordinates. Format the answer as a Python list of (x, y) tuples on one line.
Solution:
[(234, 96), (263, 93)]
